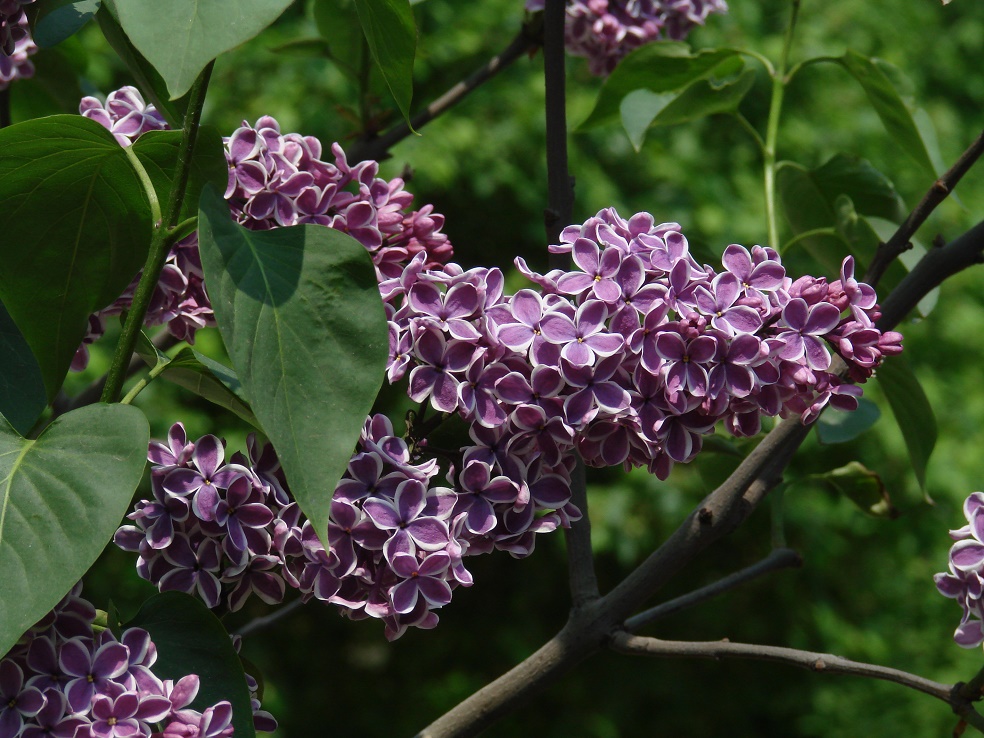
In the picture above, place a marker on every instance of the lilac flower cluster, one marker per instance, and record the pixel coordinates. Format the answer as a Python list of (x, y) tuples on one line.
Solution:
[(275, 180), (604, 31), (67, 679), (224, 531), (15, 65), (13, 25), (965, 580), (634, 355)]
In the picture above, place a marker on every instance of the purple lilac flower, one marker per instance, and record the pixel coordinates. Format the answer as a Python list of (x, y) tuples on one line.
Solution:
[(15, 65), (965, 580), (604, 31), (13, 25), (92, 685)]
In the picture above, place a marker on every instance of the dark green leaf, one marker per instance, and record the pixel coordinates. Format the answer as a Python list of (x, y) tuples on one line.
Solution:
[(151, 355), (76, 227), (861, 486), (56, 20), (661, 68), (390, 29), (191, 640), (840, 426), (150, 83), (61, 498), (179, 40), (22, 395), (912, 412), (300, 313), (209, 379), (721, 92), (888, 104), (158, 152)]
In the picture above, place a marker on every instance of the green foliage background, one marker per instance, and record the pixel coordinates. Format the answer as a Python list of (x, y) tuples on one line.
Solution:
[(866, 588)]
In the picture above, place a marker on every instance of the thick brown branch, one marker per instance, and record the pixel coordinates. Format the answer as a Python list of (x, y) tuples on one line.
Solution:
[(779, 558), (941, 188), (378, 148)]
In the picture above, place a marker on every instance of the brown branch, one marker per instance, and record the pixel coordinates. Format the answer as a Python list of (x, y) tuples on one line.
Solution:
[(820, 663), (938, 192), (823, 663), (779, 558), (937, 265), (377, 148)]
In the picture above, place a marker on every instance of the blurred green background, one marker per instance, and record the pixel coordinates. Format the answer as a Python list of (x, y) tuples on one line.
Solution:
[(866, 589)]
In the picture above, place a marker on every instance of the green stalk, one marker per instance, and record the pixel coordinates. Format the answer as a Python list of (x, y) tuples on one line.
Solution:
[(160, 243), (779, 82)]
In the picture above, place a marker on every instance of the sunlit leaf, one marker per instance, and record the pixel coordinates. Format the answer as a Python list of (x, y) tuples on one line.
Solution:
[(391, 32), (57, 20), (861, 486)]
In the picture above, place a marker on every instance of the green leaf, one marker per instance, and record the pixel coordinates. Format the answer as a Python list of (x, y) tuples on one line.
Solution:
[(191, 640), (841, 426), (198, 373), (300, 313), (861, 486), (158, 152), (832, 197), (150, 83), (661, 68), (720, 93), (22, 395), (179, 40), (56, 20), (62, 496), (209, 379), (390, 29), (888, 104), (912, 411), (76, 227)]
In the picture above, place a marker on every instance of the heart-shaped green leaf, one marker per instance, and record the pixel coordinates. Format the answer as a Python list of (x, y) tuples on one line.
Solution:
[(390, 29), (191, 640), (180, 38), (61, 498), (76, 227), (300, 313)]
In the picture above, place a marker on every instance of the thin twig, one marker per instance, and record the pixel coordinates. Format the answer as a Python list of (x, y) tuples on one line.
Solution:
[(262, 623), (378, 148), (823, 663), (938, 192), (779, 558)]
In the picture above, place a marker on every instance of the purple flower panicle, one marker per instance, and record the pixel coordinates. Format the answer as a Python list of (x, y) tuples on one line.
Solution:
[(964, 582)]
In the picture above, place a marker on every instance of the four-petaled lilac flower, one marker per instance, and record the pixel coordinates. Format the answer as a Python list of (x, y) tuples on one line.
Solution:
[(421, 579), (126, 715), (406, 516), (16, 700), (90, 672), (806, 324), (584, 337)]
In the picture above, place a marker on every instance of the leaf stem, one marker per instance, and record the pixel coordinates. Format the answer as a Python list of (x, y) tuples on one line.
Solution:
[(148, 186), (772, 131), (159, 246)]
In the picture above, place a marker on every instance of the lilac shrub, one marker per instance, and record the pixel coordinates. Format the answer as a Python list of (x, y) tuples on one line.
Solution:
[(67, 678), (604, 31), (630, 358), (965, 580)]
